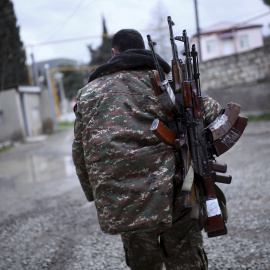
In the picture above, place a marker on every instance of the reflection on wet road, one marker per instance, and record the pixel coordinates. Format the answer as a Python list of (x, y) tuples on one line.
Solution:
[(33, 172), (36, 168)]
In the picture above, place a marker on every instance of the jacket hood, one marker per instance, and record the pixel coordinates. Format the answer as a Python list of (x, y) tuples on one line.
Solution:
[(134, 58)]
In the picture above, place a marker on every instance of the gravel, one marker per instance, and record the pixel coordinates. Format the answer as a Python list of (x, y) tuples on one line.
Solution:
[(50, 225)]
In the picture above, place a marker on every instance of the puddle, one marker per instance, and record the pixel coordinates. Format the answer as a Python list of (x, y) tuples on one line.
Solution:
[(35, 169)]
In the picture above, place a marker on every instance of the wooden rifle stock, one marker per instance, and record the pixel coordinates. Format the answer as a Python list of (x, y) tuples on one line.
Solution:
[(163, 133), (216, 233), (177, 75), (213, 218), (156, 82)]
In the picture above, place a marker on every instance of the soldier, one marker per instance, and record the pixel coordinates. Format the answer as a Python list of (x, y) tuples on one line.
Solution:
[(125, 169)]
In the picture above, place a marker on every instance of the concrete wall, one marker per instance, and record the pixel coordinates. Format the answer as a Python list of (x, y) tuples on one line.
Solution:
[(23, 110), (253, 98), (12, 127), (32, 103), (46, 112)]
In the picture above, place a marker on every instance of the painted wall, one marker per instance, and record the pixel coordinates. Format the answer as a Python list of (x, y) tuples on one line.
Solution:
[(12, 123), (224, 44), (24, 111), (32, 103)]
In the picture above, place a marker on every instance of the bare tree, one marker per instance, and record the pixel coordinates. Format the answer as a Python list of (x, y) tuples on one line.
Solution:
[(160, 31)]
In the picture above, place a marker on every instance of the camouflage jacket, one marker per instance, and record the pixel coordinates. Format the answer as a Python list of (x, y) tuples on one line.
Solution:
[(121, 165)]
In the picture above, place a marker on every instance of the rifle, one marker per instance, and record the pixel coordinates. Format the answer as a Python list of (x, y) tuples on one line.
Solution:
[(192, 142), (201, 153), (176, 136), (177, 71)]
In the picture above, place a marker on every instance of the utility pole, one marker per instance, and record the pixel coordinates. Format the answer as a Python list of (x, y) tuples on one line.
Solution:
[(58, 76), (198, 31), (50, 88), (35, 70)]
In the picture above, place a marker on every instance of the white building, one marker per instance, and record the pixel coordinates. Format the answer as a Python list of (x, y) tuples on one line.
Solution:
[(226, 39), (25, 111)]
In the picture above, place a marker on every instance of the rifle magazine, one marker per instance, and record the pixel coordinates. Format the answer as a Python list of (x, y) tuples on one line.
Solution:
[(228, 141)]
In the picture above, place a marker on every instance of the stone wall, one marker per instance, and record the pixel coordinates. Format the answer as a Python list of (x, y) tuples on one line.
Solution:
[(253, 97), (242, 78), (238, 69)]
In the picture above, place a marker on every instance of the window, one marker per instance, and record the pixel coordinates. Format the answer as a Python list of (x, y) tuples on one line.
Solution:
[(227, 46), (211, 46), (1, 117), (244, 42)]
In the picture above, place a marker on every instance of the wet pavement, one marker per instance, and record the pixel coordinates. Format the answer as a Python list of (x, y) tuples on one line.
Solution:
[(46, 222), (36, 169)]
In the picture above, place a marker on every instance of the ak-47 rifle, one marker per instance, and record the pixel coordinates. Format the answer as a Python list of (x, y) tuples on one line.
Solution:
[(177, 70), (176, 136), (194, 144)]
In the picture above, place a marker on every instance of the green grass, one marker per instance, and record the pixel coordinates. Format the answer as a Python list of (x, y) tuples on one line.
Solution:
[(260, 117), (65, 124), (4, 148)]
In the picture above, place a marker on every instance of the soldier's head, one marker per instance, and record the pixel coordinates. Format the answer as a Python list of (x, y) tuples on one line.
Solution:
[(126, 39)]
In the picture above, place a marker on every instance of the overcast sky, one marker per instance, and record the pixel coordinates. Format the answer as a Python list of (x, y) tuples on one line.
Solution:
[(53, 20)]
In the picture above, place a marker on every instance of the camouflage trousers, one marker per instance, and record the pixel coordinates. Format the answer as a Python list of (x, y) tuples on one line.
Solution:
[(178, 247)]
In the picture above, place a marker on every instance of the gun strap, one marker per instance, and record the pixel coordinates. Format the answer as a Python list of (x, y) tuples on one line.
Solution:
[(195, 211), (188, 181), (75, 108), (222, 203)]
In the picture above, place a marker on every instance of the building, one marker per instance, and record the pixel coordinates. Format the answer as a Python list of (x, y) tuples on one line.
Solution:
[(225, 39), (25, 111)]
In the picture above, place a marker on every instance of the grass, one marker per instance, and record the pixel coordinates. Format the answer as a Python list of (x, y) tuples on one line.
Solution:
[(65, 124), (260, 117), (4, 148)]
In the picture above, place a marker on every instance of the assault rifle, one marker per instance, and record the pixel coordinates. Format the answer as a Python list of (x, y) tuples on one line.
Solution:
[(194, 144)]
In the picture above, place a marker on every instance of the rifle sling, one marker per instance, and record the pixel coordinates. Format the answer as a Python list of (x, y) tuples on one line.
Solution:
[(188, 181), (222, 203)]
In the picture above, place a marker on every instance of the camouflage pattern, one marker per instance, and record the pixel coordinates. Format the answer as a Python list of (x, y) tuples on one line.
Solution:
[(121, 165), (211, 110), (130, 171), (178, 247)]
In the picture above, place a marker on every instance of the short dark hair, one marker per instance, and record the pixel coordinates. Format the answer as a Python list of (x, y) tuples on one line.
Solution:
[(126, 39)]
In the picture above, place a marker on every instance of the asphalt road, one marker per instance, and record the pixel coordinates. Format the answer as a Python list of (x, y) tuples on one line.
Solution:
[(46, 223)]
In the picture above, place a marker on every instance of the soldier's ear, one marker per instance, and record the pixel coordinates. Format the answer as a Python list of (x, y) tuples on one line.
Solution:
[(114, 52)]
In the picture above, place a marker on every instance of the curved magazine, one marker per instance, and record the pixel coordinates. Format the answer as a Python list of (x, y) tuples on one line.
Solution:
[(228, 141)]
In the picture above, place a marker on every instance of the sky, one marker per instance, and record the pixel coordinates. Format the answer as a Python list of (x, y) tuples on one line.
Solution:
[(45, 24)]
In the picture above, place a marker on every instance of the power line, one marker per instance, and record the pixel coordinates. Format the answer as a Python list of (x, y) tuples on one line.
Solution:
[(144, 30), (86, 37), (67, 19), (237, 24)]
